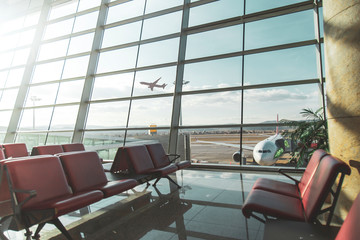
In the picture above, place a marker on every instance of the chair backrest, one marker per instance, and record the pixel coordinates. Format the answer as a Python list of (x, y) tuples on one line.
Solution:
[(47, 150), (350, 228), (2, 153), (140, 159), (5, 198), (44, 174), (121, 162), (73, 147), (15, 150), (83, 170), (158, 155), (321, 183), (310, 170)]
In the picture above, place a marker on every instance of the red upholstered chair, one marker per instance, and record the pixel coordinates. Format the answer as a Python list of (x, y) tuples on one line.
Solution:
[(142, 164), (309, 207), (5, 200), (73, 147), (120, 163), (14, 150), (2, 153), (50, 191), (299, 187), (47, 150), (85, 172), (161, 159), (350, 228)]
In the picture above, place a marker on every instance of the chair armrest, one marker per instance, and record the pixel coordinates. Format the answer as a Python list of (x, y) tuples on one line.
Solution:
[(288, 176)]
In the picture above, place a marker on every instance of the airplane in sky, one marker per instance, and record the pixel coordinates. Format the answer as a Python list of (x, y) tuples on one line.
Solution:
[(265, 152), (151, 85)]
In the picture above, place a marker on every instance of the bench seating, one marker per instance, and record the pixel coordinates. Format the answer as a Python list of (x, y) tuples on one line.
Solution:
[(14, 150), (46, 150), (299, 187), (307, 208), (73, 147), (57, 191)]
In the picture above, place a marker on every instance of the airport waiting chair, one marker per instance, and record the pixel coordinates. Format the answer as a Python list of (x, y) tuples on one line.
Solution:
[(310, 205), (46, 150), (161, 159), (15, 150), (350, 228), (141, 163), (299, 187), (6, 210), (73, 147)]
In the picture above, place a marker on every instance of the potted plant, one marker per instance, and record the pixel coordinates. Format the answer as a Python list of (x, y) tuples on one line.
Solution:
[(308, 135)]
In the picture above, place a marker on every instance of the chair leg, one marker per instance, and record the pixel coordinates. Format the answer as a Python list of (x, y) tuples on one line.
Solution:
[(38, 229), (170, 179), (61, 227), (157, 180)]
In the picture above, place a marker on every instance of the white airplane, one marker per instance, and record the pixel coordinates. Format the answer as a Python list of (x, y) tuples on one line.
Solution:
[(151, 85), (265, 152)]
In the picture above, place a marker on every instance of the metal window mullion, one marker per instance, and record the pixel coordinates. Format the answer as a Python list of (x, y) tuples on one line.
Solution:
[(242, 90), (30, 65), (89, 79), (177, 112)]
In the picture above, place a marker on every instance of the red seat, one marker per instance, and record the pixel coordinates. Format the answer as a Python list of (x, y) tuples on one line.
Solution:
[(286, 207), (85, 172), (14, 150), (120, 163), (142, 164), (299, 187), (73, 147), (161, 159), (44, 175), (47, 150), (350, 229)]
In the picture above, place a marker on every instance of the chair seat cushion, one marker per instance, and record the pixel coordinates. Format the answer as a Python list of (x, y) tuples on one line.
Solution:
[(116, 187), (183, 164), (273, 204), (271, 185)]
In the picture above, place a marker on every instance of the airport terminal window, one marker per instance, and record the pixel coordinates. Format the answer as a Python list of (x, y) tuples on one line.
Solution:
[(224, 91)]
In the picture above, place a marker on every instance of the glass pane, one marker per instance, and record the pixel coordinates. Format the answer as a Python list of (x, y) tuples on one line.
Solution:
[(262, 105), (107, 115), (162, 25), (261, 5), (141, 137), (211, 108), (59, 138), (86, 4), (26, 38), (76, 67), (121, 34), (63, 10), (42, 95), (15, 77), (146, 81), (20, 57), (85, 22), (9, 41), (81, 44), (64, 118), (4, 120), (48, 71), (125, 10), (114, 86), (8, 98), (106, 143), (117, 60), (53, 50), (153, 53), (5, 59), (220, 41), (157, 5), (58, 29), (154, 111), (31, 139), (278, 66), (215, 11), (213, 74), (280, 30), (35, 119), (70, 91), (32, 19)]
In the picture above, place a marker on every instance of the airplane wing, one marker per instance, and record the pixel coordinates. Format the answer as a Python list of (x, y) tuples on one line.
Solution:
[(145, 83), (156, 81), (247, 147)]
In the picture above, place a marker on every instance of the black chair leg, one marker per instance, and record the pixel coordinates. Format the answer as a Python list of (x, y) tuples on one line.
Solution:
[(61, 227), (170, 179), (38, 229), (157, 180)]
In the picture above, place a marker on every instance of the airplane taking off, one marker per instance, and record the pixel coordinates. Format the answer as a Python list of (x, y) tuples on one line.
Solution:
[(151, 85)]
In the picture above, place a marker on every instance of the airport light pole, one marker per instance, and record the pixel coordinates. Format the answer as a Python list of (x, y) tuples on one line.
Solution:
[(34, 99)]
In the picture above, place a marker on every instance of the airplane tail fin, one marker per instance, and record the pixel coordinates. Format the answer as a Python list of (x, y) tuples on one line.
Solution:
[(164, 85)]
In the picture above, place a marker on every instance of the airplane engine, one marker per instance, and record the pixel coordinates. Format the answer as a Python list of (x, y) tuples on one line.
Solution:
[(236, 156)]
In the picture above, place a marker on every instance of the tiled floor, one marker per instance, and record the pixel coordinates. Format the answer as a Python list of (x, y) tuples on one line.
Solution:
[(208, 206)]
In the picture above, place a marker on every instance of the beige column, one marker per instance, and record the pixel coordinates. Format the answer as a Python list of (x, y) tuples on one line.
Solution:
[(342, 66)]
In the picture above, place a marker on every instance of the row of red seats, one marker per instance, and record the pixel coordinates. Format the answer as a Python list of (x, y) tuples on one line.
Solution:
[(62, 186), (14, 150)]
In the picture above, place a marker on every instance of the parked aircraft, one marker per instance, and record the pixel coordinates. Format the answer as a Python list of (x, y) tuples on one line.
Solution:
[(151, 85)]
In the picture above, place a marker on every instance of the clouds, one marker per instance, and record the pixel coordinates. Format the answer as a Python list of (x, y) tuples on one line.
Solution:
[(275, 95)]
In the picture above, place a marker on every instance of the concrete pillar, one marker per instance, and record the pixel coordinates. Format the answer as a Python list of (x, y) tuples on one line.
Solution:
[(342, 65)]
